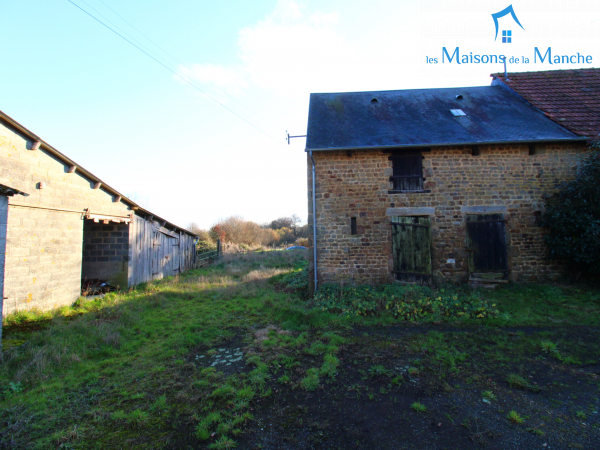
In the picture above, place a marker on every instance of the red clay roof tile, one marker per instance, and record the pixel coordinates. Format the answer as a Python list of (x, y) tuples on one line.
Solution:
[(569, 97)]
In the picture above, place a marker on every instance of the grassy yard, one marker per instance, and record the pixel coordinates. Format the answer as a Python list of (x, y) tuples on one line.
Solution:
[(236, 356)]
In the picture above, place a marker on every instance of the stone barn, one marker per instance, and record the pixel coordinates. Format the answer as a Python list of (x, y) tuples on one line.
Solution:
[(432, 184), (66, 228)]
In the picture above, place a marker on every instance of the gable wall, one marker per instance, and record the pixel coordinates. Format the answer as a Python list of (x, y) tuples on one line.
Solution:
[(44, 246), (357, 186)]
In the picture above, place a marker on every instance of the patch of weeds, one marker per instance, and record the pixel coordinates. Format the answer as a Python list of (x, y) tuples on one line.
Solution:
[(300, 340), (223, 443), (138, 418), (330, 365), (320, 348), (379, 371), (160, 404), (488, 395), (246, 393), (514, 417), (203, 429), (10, 389), (284, 379), (397, 380), (549, 346), (333, 338), (311, 381), (537, 431), (135, 419), (296, 280), (567, 359), (517, 381), (403, 302), (419, 407), (289, 362), (581, 415), (413, 371)]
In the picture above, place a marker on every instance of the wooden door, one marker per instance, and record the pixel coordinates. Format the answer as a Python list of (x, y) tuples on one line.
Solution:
[(408, 172), (411, 241), (486, 243)]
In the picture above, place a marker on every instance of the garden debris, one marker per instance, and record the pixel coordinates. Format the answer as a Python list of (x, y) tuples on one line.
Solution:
[(96, 286)]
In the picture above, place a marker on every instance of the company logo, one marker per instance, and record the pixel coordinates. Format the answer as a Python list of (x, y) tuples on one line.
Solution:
[(536, 55), (506, 34)]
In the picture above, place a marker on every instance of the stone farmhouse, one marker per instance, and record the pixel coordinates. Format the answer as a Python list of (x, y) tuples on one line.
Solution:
[(61, 225), (443, 184)]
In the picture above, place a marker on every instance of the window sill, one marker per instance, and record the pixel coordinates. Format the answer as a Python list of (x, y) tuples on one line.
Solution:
[(421, 191)]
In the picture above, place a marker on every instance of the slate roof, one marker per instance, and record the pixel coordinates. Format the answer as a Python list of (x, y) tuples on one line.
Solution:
[(422, 118), (569, 97)]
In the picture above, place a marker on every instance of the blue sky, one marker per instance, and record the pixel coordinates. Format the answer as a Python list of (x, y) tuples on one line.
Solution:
[(179, 153)]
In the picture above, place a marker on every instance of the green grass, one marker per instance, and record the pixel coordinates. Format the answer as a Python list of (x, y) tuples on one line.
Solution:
[(124, 357), (118, 371)]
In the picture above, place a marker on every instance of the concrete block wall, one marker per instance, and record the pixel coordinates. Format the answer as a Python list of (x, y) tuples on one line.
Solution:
[(3, 229), (356, 184), (44, 246), (43, 259), (106, 252)]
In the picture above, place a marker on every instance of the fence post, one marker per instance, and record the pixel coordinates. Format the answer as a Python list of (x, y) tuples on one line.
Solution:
[(218, 248)]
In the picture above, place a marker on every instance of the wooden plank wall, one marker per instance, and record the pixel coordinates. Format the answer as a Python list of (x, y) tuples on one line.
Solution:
[(155, 255)]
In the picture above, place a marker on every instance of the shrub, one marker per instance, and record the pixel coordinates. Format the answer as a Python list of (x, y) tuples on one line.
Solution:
[(303, 242), (573, 218)]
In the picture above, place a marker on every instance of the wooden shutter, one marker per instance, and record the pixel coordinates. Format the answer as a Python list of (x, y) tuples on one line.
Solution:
[(408, 172), (411, 241), (486, 243)]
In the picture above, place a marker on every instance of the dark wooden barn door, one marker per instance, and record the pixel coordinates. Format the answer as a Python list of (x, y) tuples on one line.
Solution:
[(408, 172), (411, 241), (486, 243)]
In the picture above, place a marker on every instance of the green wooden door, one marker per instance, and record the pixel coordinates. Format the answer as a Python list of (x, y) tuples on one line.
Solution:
[(411, 240)]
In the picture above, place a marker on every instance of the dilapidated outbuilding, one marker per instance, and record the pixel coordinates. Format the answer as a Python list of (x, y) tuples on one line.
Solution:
[(437, 184), (67, 228)]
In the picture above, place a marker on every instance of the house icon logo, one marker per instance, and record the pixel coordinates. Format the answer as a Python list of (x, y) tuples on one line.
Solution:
[(506, 34)]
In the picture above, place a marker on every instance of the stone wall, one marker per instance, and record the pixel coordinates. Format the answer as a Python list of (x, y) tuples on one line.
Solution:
[(105, 252), (356, 184), (45, 230)]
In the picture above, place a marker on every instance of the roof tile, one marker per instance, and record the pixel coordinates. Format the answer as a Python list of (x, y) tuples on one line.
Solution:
[(569, 97)]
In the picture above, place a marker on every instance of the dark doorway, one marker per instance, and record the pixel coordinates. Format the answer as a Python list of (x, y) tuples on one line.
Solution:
[(486, 243), (411, 241), (105, 256)]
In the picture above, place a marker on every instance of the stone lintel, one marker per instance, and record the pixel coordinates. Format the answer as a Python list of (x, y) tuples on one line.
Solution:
[(484, 209), (423, 211)]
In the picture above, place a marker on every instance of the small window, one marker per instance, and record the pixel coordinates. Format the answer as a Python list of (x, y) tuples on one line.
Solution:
[(353, 225), (408, 172), (457, 112), (506, 36)]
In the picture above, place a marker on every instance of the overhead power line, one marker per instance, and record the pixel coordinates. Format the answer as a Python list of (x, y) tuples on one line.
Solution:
[(171, 56), (174, 72)]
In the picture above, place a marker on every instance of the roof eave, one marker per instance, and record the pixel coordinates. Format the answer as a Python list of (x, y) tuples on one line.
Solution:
[(447, 144), (84, 172)]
